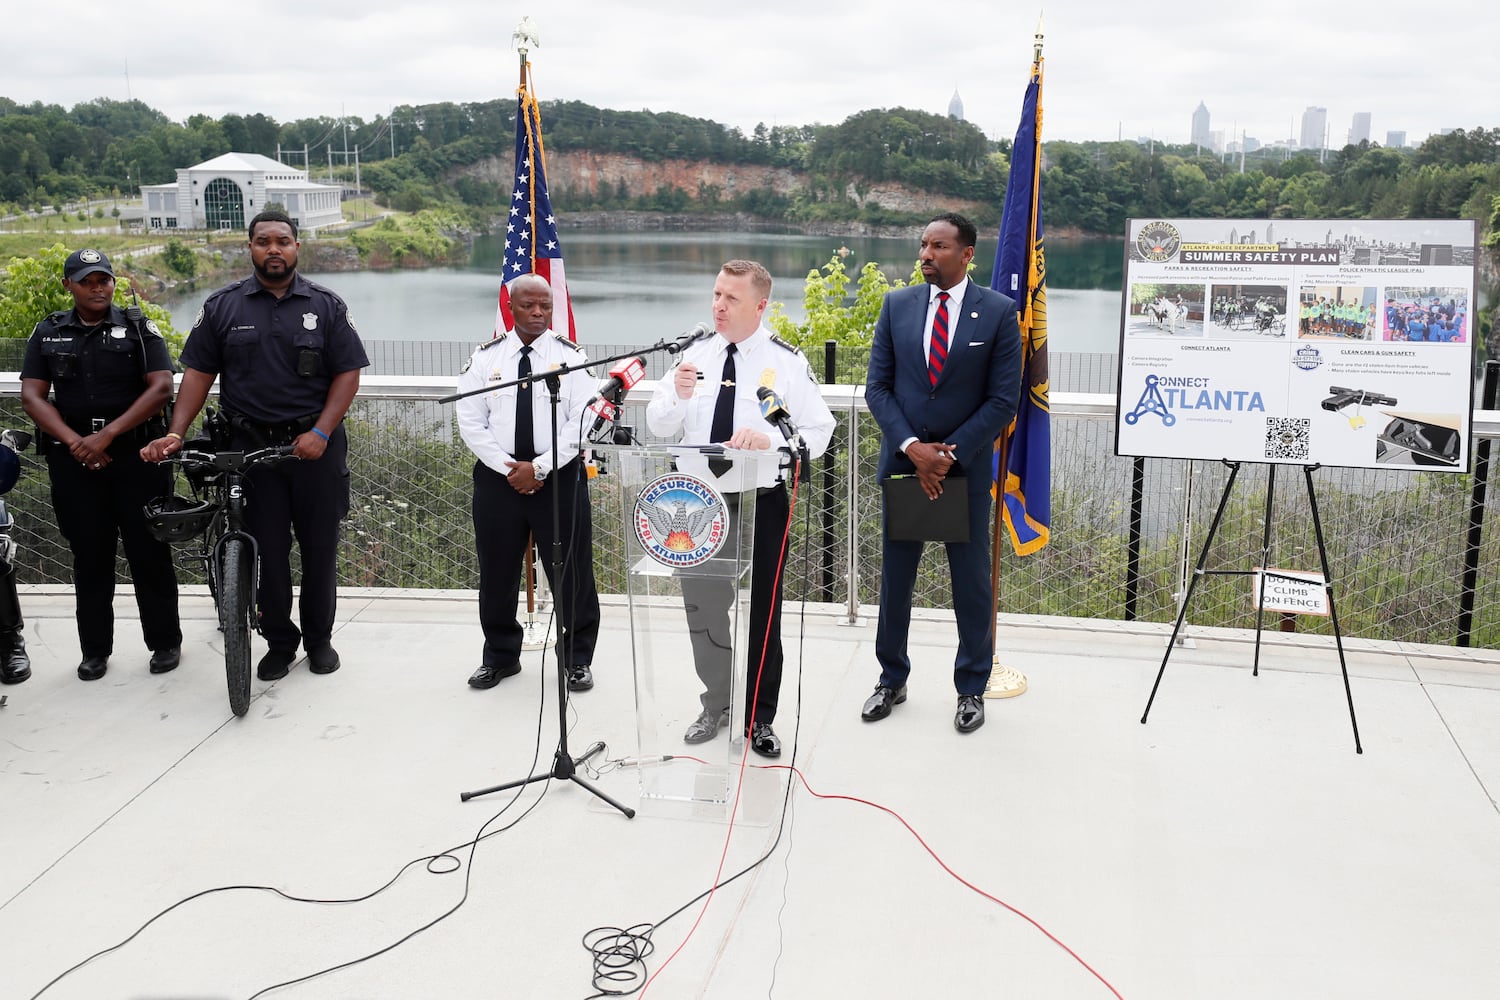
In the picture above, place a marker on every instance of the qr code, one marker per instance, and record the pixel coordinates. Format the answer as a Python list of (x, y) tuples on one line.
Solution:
[(1286, 438)]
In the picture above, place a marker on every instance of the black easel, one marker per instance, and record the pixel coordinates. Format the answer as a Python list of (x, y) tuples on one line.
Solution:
[(564, 768), (1200, 571)]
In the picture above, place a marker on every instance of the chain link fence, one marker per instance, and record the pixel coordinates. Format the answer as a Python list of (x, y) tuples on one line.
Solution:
[(1395, 539)]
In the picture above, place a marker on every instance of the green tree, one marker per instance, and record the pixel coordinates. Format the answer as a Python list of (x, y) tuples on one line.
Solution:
[(180, 258), (831, 313), (32, 288)]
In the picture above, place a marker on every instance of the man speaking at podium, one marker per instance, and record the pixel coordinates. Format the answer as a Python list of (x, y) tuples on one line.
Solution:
[(710, 397)]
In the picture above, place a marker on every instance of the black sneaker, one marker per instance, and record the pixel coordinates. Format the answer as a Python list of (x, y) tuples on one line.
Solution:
[(323, 659), (275, 664)]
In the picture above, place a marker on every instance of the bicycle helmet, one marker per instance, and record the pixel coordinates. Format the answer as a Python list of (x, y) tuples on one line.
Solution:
[(177, 518)]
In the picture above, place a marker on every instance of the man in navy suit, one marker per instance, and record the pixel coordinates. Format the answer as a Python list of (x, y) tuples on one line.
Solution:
[(944, 381)]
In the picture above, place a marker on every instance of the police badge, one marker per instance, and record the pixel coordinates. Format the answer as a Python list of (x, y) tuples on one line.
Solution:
[(309, 321)]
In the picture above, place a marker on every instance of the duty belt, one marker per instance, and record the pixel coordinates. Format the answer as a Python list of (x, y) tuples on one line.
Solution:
[(279, 432), (93, 425)]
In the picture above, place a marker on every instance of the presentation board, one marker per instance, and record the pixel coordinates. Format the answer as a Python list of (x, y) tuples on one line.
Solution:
[(1343, 342)]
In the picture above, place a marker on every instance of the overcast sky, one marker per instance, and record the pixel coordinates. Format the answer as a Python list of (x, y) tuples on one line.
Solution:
[(1130, 69)]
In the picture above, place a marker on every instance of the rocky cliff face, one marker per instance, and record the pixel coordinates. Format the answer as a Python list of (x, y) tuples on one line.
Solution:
[(580, 171)]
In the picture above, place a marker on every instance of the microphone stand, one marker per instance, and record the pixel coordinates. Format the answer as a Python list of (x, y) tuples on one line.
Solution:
[(564, 768), (671, 347)]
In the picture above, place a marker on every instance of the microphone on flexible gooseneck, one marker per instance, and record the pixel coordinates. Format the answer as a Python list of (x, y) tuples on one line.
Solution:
[(697, 333)]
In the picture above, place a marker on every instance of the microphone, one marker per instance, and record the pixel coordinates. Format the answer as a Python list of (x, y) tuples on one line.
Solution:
[(605, 404), (697, 333), (622, 375), (773, 411)]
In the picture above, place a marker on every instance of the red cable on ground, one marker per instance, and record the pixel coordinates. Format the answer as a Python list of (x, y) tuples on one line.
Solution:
[(944, 865), (739, 786)]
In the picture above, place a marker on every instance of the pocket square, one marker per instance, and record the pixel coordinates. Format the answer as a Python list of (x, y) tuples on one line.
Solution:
[(976, 343)]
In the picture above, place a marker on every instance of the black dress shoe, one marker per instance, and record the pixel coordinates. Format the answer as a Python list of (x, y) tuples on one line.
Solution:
[(879, 704), (764, 741), (15, 665), (487, 676), (92, 668), (275, 664), (970, 714), (706, 726), (323, 659), (580, 677), (163, 660)]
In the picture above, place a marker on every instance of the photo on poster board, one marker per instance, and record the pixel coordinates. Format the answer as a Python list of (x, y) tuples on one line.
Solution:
[(1164, 310), (1296, 358), (1245, 312), (1337, 312), (1426, 315)]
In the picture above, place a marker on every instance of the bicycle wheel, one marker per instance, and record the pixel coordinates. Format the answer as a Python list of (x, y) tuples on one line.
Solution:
[(234, 620)]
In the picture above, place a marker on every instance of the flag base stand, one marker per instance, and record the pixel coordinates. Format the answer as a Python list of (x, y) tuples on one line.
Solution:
[(1005, 682), (533, 634)]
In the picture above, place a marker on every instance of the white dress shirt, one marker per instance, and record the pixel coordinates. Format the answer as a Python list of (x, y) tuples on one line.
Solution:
[(759, 360), (487, 420)]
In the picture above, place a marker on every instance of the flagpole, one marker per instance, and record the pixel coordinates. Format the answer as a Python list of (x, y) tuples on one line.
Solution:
[(1008, 682), (532, 636)]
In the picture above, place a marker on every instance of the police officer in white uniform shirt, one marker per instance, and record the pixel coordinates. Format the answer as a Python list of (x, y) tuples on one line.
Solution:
[(710, 397), (510, 432)]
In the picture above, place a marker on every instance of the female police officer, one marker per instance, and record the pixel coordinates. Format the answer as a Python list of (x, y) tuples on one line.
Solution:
[(110, 374)]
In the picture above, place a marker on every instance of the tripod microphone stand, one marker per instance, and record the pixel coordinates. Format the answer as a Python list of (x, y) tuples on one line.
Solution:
[(563, 766)]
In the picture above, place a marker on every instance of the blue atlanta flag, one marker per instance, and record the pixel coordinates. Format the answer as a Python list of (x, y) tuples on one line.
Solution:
[(1021, 273)]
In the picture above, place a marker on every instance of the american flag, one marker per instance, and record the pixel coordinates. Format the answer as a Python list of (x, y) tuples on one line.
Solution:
[(531, 243)]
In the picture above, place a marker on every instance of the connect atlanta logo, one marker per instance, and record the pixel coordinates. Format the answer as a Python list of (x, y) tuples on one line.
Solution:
[(680, 520), (1165, 394)]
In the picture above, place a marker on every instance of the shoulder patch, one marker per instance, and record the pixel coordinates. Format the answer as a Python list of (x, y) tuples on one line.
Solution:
[(492, 342), (152, 328), (784, 345)]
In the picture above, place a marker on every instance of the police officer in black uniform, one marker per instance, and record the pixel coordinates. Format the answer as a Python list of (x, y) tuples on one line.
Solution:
[(288, 360), (110, 376)]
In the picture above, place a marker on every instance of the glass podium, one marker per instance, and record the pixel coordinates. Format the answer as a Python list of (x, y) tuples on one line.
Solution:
[(689, 532)]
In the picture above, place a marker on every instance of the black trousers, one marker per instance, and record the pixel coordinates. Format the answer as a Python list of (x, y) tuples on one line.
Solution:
[(707, 601), (310, 499), (503, 519), (95, 509)]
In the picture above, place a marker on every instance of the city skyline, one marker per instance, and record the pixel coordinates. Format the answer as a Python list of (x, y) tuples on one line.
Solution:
[(1317, 131)]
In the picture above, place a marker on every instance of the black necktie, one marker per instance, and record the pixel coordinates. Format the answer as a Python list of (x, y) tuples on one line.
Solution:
[(723, 425), (525, 437)]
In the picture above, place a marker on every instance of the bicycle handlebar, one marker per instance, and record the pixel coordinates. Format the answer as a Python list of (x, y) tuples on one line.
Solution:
[(232, 461)]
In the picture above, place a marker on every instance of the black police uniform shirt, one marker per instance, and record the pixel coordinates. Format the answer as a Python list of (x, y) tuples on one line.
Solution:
[(94, 371), (275, 357)]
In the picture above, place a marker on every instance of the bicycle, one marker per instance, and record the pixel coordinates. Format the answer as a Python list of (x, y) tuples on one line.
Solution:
[(214, 515)]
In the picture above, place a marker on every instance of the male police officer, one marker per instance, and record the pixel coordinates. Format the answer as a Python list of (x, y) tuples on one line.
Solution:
[(111, 376), (290, 360), (510, 433), (741, 356)]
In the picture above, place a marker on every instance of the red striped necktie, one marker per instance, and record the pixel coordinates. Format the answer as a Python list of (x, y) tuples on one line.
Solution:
[(939, 351)]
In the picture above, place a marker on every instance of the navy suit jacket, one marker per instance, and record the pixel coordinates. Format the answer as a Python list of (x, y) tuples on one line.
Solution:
[(976, 395)]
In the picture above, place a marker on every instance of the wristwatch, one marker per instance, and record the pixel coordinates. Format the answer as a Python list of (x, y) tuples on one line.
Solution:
[(538, 471)]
